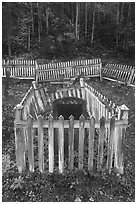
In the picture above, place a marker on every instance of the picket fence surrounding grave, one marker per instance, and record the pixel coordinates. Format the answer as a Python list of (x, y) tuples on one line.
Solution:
[(38, 99), (122, 73), (28, 115), (111, 135)]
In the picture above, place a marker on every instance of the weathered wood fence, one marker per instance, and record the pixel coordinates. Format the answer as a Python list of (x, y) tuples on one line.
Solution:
[(37, 100), (105, 154), (29, 115), (65, 70), (122, 73), (68, 70), (52, 71), (19, 68)]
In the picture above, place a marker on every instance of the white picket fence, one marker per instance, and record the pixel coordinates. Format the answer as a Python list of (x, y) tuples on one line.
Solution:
[(68, 70), (108, 148), (97, 105), (122, 73), (19, 68), (29, 115), (27, 68)]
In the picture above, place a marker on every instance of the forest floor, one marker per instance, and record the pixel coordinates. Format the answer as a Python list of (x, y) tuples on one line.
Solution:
[(75, 185)]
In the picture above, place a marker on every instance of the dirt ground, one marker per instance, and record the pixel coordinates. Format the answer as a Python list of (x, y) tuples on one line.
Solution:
[(75, 185)]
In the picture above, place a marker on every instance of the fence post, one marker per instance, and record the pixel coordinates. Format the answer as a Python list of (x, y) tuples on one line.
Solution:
[(123, 112), (19, 139), (119, 149), (120, 136), (100, 70)]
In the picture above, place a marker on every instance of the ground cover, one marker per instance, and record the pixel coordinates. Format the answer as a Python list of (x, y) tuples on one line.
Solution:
[(73, 186)]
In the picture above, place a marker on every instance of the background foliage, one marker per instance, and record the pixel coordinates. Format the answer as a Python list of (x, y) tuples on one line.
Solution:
[(65, 29)]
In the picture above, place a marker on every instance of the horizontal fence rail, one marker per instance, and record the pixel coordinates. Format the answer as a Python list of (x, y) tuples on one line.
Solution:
[(70, 64), (101, 150), (67, 70), (121, 73)]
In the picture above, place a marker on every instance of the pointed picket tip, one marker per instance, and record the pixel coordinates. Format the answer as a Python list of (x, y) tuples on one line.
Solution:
[(40, 117), (50, 117), (71, 117), (30, 118), (92, 118), (81, 118), (61, 118)]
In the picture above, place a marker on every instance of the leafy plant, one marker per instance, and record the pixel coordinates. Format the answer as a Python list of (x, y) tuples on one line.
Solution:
[(7, 163), (18, 183)]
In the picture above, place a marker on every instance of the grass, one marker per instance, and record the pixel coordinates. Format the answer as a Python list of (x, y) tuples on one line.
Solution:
[(74, 185)]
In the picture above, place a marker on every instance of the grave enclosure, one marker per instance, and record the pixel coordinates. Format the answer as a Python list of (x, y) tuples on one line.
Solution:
[(73, 126)]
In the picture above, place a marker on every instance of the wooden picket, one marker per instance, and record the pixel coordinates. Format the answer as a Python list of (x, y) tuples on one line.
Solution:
[(71, 141), (114, 145)]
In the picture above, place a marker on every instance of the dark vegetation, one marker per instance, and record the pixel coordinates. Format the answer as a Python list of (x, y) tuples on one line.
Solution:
[(65, 31)]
